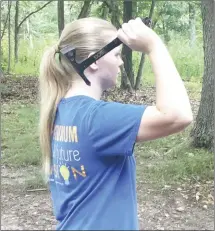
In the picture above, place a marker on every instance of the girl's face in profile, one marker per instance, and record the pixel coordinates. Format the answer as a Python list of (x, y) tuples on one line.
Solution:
[(109, 67)]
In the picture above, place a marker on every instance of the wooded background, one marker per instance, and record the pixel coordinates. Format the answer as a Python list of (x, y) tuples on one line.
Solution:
[(186, 27), (181, 164)]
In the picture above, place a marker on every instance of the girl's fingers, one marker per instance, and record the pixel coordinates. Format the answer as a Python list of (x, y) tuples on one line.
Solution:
[(122, 36), (128, 30)]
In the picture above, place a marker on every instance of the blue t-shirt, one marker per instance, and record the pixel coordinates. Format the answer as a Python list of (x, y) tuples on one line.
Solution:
[(93, 180)]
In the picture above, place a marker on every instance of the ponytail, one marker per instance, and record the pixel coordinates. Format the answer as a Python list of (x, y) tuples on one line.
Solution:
[(53, 85)]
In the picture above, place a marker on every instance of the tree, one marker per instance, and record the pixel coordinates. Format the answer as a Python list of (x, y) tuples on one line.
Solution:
[(104, 11), (0, 44), (60, 12), (16, 30), (2, 31), (192, 21), (126, 51), (142, 60), (18, 25), (203, 131), (5, 21), (85, 10), (9, 37)]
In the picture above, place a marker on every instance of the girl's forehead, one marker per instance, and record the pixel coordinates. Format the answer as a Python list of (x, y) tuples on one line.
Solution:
[(118, 49), (114, 51)]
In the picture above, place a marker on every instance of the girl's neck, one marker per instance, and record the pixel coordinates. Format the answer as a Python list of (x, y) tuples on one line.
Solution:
[(81, 88)]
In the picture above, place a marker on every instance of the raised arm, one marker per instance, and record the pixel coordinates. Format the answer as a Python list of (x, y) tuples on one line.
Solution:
[(172, 112)]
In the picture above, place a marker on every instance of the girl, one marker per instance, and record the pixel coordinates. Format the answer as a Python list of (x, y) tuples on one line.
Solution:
[(87, 144)]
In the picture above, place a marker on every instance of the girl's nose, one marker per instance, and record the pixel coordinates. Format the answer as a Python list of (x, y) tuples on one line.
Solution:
[(121, 62)]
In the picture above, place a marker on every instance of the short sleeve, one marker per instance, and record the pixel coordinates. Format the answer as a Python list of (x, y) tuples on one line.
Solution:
[(113, 127)]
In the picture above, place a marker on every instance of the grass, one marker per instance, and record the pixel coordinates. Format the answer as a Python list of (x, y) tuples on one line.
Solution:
[(35, 180), (194, 89), (19, 135), (172, 160)]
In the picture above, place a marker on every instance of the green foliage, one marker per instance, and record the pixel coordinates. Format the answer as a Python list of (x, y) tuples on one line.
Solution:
[(4, 52), (20, 144), (172, 25), (188, 60), (173, 16), (172, 159), (30, 54), (28, 63)]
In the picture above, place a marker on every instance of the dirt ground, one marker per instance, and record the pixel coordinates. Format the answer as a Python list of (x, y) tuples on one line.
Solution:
[(158, 210)]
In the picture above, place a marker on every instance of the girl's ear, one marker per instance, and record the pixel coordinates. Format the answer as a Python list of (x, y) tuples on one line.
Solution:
[(94, 65)]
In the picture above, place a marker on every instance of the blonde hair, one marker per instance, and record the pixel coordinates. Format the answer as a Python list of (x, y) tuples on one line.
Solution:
[(86, 35)]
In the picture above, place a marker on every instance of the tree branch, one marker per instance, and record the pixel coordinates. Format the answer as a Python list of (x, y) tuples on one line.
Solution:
[(5, 24), (152, 8), (33, 13), (111, 8), (85, 9)]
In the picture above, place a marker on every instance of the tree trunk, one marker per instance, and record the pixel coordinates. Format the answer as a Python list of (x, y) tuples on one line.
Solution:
[(9, 38), (126, 51), (134, 9), (85, 9), (140, 72), (105, 11), (203, 131), (16, 32), (5, 23), (0, 45), (115, 13), (142, 60), (70, 5), (165, 31), (192, 21), (60, 11)]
